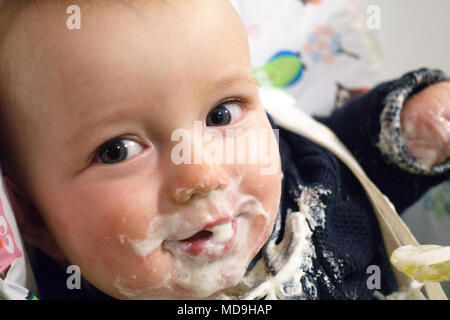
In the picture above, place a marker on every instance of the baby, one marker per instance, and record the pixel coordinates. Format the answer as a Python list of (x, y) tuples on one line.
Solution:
[(87, 120)]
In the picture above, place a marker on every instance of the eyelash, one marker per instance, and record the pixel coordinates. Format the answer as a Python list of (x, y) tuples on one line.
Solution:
[(94, 158), (238, 100), (244, 103)]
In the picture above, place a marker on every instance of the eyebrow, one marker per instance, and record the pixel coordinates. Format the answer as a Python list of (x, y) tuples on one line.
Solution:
[(233, 78), (90, 124)]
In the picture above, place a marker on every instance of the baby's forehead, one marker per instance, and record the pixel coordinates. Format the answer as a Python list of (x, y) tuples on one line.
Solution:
[(109, 39), (118, 57)]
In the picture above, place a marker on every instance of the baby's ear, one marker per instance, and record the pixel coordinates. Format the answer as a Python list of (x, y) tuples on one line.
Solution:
[(32, 228)]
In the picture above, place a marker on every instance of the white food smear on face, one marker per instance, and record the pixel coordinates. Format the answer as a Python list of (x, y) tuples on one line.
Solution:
[(293, 256), (140, 293), (200, 275), (205, 277), (222, 232)]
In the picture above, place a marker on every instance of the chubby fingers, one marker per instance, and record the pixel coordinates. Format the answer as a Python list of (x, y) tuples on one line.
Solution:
[(425, 122)]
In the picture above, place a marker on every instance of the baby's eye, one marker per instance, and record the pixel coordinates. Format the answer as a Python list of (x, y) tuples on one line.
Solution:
[(223, 114), (118, 150)]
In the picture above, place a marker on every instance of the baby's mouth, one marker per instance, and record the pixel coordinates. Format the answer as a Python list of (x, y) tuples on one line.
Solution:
[(211, 242)]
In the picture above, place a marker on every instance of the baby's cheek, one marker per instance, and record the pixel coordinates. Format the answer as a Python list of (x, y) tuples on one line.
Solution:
[(121, 218), (267, 190), (150, 275), (104, 253), (262, 184), (120, 268), (95, 231)]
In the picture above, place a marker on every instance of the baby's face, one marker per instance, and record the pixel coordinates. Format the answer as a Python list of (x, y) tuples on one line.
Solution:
[(98, 109)]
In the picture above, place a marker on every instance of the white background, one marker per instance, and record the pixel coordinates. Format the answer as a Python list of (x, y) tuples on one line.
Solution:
[(413, 33)]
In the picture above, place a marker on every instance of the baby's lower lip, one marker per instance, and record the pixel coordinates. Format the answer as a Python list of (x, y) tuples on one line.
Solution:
[(204, 243)]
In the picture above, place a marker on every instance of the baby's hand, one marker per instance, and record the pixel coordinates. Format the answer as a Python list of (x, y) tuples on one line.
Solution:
[(425, 122)]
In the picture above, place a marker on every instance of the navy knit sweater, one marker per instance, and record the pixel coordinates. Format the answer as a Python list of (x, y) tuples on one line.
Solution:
[(349, 240), (344, 237)]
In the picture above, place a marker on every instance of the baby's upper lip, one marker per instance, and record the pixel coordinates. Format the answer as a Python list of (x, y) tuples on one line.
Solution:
[(205, 227), (221, 218), (217, 222)]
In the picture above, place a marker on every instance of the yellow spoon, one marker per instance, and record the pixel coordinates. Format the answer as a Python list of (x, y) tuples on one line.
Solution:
[(423, 263)]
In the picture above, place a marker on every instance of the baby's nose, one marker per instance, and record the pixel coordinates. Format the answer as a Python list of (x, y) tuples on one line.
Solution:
[(198, 180)]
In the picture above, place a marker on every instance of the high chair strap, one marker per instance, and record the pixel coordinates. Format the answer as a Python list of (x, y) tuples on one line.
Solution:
[(286, 114)]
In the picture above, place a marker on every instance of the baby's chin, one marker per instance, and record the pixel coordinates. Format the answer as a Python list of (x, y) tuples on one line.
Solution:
[(179, 289)]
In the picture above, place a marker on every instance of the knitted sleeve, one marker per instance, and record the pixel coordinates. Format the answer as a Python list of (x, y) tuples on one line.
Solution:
[(370, 128)]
